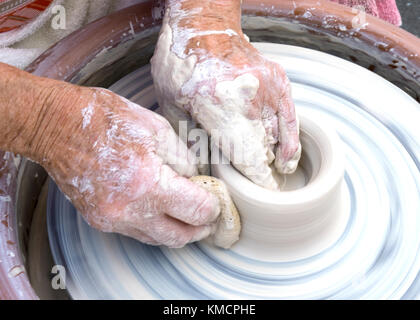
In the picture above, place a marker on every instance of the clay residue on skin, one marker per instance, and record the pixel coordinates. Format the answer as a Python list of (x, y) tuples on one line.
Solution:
[(237, 96), (87, 115), (186, 72), (216, 95), (124, 176)]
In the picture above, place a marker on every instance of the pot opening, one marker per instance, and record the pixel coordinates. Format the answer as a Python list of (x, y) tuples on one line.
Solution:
[(308, 168)]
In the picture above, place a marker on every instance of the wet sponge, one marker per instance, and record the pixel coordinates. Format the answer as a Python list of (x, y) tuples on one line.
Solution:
[(229, 223)]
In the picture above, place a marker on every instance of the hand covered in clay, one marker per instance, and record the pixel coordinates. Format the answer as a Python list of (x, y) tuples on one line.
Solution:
[(204, 66), (121, 167)]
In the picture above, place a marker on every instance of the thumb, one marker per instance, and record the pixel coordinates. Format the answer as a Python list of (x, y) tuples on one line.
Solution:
[(182, 199)]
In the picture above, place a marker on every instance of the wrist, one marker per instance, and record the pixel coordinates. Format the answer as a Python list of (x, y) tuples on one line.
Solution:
[(56, 122), (34, 112), (22, 104), (210, 28), (206, 14)]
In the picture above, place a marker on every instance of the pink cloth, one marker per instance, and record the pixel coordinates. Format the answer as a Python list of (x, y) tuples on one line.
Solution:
[(384, 9)]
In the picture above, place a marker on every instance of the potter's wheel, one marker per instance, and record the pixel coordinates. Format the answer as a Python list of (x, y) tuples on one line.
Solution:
[(376, 255)]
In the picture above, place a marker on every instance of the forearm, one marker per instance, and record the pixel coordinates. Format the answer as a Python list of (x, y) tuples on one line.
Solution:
[(206, 26), (200, 14), (32, 112)]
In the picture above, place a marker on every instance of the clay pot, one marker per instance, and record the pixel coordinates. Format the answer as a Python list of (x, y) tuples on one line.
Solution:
[(82, 58), (308, 215)]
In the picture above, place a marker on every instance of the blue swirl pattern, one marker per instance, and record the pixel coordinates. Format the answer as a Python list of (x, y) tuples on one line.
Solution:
[(377, 255)]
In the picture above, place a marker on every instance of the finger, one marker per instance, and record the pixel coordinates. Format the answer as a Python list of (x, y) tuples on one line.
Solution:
[(289, 149), (270, 123), (184, 200), (134, 233), (176, 234), (174, 152), (244, 143)]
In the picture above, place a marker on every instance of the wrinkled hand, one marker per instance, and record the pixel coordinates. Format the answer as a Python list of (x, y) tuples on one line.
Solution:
[(116, 167), (206, 67)]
